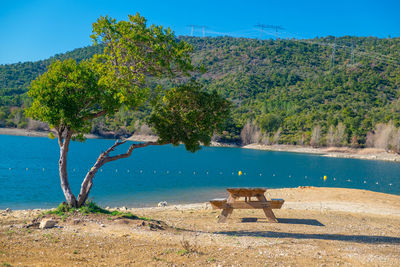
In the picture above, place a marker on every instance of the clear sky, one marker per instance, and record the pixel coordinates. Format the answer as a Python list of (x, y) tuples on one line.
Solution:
[(37, 29)]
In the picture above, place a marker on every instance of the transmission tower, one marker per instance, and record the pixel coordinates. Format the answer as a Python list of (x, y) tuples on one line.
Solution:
[(352, 53), (202, 27), (267, 26), (333, 54)]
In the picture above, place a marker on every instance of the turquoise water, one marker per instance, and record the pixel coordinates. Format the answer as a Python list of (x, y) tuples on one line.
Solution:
[(29, 173)]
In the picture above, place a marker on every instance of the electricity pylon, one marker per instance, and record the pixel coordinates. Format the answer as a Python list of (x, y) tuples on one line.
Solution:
[(202, 27), (267, 26)]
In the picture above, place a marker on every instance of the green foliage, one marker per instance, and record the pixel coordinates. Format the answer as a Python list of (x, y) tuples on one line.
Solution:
[(67, 95), (135, 52), (188, 115), (290, 83), (70, 94), (270, 122), (292, 79)]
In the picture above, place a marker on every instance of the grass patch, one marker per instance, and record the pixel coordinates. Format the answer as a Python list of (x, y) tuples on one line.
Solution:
[(51, 238), (10, 232), (64, 210), (182, 252), (211, 259), (6, 264), (187, 248)]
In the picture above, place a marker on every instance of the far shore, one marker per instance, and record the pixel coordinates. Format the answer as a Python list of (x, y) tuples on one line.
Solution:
[(335, 152)]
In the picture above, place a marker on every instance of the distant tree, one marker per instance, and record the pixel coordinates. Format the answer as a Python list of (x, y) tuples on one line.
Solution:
[(383, 135), (70, 95), (250, 133), (340, 135), (277, 136), (330, 137), (395, 143), (270, 122), (316, 136)]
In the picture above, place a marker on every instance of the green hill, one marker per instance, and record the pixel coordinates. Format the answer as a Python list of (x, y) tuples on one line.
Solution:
[(291, 89)]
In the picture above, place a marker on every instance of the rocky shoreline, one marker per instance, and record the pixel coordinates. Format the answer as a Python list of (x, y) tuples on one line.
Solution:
[(334, 152)]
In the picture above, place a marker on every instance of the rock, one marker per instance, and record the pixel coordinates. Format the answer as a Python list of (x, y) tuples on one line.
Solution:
[(33, 224), (47, 223), (102, 225), (162, 204), (124, 208), (8, 210)]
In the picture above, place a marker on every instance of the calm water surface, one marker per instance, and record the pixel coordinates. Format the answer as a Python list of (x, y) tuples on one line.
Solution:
[(29, 173)]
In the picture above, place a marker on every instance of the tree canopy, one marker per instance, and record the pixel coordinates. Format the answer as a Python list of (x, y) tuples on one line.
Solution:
[(188, 115), (69, 95)]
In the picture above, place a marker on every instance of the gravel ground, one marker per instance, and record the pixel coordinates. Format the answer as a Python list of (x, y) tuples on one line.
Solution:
[(317, 227)]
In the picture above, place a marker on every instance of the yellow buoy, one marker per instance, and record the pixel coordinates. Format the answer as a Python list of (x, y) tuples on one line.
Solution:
[(325, 178), (240, 173)]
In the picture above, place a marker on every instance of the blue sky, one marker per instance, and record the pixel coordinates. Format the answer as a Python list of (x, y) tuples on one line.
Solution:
[(37, 29)]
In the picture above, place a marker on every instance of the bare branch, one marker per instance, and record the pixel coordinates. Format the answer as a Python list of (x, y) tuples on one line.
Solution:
[(128, 152), (103, 159)]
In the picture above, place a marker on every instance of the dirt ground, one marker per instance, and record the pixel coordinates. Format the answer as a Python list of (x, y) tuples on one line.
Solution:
[(317, 227)]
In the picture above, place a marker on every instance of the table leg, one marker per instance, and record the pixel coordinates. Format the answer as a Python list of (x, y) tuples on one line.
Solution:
[(268, 211), (227, 211), (225, 214)]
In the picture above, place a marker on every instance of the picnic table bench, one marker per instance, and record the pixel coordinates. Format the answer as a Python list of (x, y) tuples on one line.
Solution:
[(233, 202)]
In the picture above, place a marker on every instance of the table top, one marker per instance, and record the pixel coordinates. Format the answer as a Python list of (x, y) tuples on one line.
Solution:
[(246, 191)]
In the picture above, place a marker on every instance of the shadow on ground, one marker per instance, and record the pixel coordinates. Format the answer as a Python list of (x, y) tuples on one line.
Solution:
[(284, 220), (336, 237), (300, 221)]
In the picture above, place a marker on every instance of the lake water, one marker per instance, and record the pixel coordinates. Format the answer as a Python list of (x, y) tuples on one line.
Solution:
[(29, 173)]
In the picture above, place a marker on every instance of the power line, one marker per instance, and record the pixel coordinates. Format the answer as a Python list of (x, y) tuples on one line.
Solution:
[(351, 47), (371, 54), (202, 27), (268, 26)]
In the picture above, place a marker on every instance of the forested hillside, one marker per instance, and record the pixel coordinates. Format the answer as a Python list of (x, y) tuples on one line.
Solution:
[(323, 91)]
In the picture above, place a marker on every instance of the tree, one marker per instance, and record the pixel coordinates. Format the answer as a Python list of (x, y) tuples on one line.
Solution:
[(316, 136), (330, 137), (70, 95), (250, 133), (270, 123), (340, 134)]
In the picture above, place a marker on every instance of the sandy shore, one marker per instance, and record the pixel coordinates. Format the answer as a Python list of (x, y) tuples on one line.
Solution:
[(337, 152), (317, 227), (25, 132)]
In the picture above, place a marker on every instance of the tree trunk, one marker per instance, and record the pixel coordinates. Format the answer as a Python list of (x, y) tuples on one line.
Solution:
[(88, 182), (62, 166), (101, 160)]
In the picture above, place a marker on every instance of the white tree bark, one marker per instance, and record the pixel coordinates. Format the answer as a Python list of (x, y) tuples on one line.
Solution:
[(62, 166)]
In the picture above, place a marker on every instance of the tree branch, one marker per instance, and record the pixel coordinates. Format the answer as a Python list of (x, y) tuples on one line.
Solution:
[(128, 152), (103, 159), (94, 115)]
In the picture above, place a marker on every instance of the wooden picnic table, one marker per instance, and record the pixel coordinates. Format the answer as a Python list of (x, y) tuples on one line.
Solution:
[(254, 198)]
